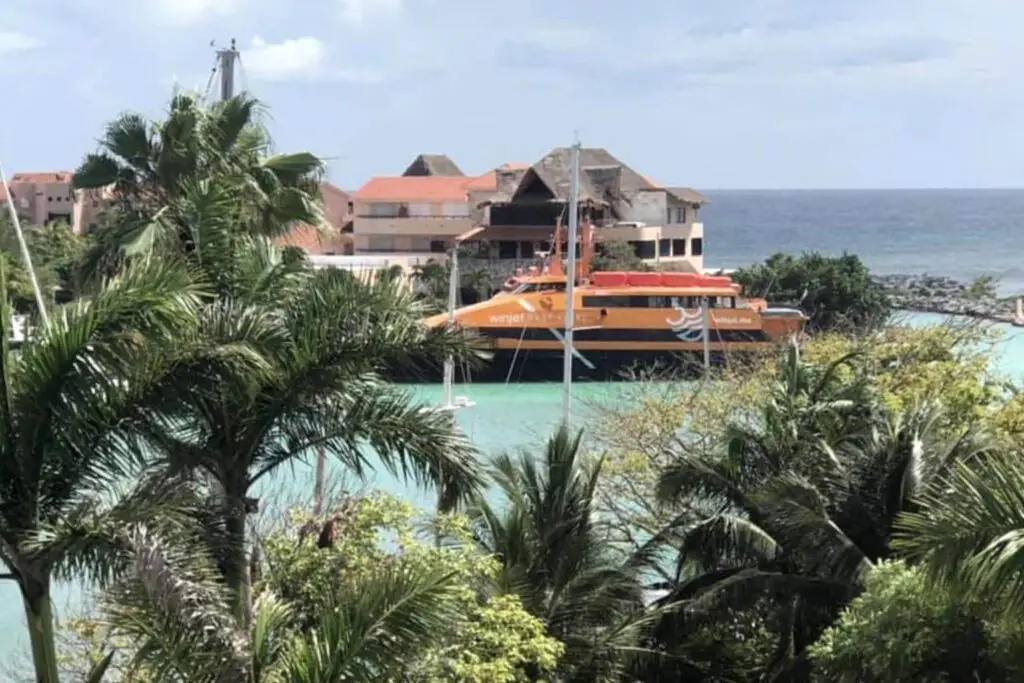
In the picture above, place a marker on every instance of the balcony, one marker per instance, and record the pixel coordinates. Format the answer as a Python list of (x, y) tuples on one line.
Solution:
[(446, 226)]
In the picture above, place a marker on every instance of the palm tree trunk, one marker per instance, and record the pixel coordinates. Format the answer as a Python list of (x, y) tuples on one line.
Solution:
[(35, 593), (236, 563)]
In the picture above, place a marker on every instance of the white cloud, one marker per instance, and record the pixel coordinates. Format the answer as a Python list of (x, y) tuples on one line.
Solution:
[(293, 58), (188, 12), (361, 12), (13, 41)]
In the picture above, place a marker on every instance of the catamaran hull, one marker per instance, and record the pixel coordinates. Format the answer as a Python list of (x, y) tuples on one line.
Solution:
[(547, 366)]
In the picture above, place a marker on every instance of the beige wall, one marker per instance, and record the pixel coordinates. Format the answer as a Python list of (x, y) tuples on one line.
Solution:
[(424, 223), (37, 202)]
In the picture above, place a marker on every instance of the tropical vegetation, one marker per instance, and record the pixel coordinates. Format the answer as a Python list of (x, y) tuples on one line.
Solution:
[(837, 293), (848, 509)]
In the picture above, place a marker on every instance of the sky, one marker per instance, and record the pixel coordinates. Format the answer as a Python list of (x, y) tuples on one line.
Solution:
[(714, 95)]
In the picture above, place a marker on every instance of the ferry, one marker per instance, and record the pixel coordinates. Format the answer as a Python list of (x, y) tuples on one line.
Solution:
[(624, 322)]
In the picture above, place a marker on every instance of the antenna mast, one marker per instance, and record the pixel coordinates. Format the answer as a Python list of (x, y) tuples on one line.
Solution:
[(570, 279), (226, 60)]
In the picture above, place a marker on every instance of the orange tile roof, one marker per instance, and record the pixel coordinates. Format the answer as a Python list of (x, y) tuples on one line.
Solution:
[(414, 188), (45, 177)]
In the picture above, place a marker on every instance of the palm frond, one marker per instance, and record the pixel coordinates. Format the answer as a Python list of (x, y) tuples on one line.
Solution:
[(176, 613), (401, 610)]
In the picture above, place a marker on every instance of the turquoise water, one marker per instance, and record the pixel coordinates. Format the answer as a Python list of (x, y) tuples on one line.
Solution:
[(503, 418)]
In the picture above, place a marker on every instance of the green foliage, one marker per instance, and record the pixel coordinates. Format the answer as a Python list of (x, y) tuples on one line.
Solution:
[(487, 639), (982, 288), (57, 255), (837, 293), (903, 629), (616, 255)]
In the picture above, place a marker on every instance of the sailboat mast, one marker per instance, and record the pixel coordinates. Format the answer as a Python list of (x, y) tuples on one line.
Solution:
[(453, 289), (226, 67), (26, 257), (570, 278)]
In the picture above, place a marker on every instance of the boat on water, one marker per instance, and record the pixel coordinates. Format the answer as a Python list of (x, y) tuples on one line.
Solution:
[(623, 321)]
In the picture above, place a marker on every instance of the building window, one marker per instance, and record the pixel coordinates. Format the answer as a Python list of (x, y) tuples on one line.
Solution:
[(669, 218), (385, 210), (679, 247), (664, 247), (438, 247), (455, 210), (419, 211), (380, 244), (645, 249), (697, 246), (680, 215), (419, 244), (508, 249)]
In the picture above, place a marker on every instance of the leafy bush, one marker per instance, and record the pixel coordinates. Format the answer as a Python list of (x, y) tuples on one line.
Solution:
[(837, 293), (904, 629)]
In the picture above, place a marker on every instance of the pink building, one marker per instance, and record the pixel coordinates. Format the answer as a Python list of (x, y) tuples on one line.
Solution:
[(42, 198)]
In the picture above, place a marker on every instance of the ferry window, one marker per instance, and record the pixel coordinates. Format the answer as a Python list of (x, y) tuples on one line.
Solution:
[(697, 246), (679, 247), (613, 302), (645, 249), (659, 302), (725, 302), (664, 247), (526, 249)]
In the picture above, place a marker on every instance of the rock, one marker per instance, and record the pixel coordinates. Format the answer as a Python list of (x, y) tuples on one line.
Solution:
[(939, 294)]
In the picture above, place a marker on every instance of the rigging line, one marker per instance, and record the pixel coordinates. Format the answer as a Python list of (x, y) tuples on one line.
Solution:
[(209, 81), (512, 365), (243, 76)]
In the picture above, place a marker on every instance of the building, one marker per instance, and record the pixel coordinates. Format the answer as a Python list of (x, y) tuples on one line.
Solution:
[(521, 206), (335, 238), (42, 198), (415, 217)]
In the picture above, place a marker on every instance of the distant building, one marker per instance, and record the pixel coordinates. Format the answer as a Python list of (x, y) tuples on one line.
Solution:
[(413, 218), (335, 238), (522, 205), (46, 197)]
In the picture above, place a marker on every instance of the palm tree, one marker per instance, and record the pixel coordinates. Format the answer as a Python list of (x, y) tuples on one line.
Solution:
[(555, 556), (795, 508), (967, 530), (178, 618), (151, 165), (67, 402), (321, 340), (326, 338)]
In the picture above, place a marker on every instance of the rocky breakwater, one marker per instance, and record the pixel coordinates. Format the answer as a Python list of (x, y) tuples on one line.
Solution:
[(937, 294)]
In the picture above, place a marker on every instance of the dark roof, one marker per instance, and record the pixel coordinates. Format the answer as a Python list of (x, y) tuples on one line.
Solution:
[(687, 194), (603, 178), (433, 165)]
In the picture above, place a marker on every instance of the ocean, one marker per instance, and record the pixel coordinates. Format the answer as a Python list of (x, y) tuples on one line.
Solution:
[(957, 233), (961, 234)]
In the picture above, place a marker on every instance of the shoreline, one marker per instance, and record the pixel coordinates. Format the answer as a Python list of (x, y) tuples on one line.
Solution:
[(947, 296)]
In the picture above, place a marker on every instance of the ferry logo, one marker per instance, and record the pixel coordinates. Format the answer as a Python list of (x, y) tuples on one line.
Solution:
[(689, 327)]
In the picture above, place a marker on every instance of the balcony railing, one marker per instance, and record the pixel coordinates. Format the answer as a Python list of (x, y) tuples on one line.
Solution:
[(417, 217)]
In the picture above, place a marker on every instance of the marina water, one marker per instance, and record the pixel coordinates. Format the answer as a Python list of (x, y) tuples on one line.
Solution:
[(957, 233)]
